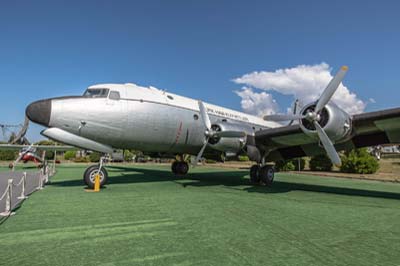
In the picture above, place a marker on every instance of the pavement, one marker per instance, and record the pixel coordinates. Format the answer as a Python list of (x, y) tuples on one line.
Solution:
[(32, 182)]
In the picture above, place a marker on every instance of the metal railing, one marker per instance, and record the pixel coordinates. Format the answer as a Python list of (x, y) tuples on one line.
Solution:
[(19, 186)]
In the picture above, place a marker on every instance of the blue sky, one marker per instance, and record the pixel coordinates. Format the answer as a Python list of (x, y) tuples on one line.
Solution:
[(193, 48)]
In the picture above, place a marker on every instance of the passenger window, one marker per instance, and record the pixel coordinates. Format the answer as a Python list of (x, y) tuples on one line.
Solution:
[(114, 95)]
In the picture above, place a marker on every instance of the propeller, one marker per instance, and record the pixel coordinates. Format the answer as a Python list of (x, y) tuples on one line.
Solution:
[(210, 133), (314, 115), (283, 117)]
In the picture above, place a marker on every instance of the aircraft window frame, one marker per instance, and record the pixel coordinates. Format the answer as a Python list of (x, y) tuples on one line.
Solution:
[(117, 96), (100, 93)]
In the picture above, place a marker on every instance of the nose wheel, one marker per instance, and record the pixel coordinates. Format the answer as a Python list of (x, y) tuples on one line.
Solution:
[(90, 174), (262, 174)]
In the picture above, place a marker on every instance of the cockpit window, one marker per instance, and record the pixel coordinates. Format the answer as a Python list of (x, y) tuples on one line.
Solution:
[(96, 93), (114, 95)]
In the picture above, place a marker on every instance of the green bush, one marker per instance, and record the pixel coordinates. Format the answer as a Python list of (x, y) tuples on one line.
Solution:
[(46, 142), (320, 163), (359, 161), (7, 155), (68, 155), (49, 155), (290, 165), (243, 158), (282, 165), (94, 157), (84, 159), (128, 155)]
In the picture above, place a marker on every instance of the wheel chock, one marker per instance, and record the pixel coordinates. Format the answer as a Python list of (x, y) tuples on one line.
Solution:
[(96, 184)]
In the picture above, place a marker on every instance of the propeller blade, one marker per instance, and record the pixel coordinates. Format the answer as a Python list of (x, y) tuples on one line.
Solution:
[(204, 115), (200, 154), (279, 118), (230, 134), (326, 142), (330, 89)]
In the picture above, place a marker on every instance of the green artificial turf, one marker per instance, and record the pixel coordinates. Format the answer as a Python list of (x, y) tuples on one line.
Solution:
[(146, 216)]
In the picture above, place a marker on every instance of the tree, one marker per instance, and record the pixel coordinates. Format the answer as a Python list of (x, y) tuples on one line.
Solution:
[(320, 163), (68, 155), (359, 161), (46, 142), (94, 157), (7, 155), (49, 155), (128, 156)]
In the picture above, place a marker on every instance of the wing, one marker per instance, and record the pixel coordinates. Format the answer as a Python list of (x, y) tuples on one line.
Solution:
[(368, 129), (38, 147)]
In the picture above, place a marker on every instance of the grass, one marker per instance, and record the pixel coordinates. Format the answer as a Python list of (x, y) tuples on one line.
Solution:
[(146, 216)]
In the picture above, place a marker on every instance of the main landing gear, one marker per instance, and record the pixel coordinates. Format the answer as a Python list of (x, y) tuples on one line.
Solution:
[(91, 171), (262, 174), (180, 167)]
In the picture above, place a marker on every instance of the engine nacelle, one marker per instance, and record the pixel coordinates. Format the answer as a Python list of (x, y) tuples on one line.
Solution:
[(229, 145), (335, 122)]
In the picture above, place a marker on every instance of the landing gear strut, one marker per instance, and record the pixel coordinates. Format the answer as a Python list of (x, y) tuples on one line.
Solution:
[(91, 171), (262, 174), (180, 167)]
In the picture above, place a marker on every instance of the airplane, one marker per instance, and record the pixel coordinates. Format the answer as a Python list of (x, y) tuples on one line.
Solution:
[(31, 152), (128, 116)]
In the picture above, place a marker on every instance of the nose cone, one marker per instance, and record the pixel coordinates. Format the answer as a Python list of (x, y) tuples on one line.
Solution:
[(39, 112)]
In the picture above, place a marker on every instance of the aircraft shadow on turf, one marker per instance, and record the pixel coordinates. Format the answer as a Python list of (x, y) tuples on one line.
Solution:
[(228, 179)]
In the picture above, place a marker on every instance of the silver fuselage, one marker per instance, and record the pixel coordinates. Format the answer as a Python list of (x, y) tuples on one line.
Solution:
[(145, 119)]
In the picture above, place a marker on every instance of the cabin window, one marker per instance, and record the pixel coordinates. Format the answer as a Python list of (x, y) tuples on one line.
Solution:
[(96, 93), (170, 97), (195, 117), (114, 95)]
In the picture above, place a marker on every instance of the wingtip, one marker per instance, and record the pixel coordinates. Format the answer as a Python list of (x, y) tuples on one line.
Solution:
[(344, 68)]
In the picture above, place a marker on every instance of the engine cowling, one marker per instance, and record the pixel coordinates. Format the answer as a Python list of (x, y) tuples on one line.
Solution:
[(229, 145), (335, 122)]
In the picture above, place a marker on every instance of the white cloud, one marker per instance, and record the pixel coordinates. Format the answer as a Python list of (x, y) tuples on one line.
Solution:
[(304, 82), (372, 100), (257, 103)]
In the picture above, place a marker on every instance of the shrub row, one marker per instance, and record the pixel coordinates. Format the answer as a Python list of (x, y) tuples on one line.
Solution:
[(358, 161)]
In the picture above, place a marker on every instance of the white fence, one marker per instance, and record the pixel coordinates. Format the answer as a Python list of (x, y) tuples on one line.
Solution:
[(16, 186)]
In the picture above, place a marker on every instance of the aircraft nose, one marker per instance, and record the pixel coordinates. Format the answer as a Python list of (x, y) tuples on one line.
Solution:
[(39, 112)]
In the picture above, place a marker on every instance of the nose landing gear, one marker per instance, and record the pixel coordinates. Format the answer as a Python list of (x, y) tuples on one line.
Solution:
[(92, 171), (262, 174)]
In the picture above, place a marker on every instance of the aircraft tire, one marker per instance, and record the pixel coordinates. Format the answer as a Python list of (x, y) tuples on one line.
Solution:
[(88, 176), (174, 167), (183, 168), (254, 177), (180, 168), (267, 174)]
